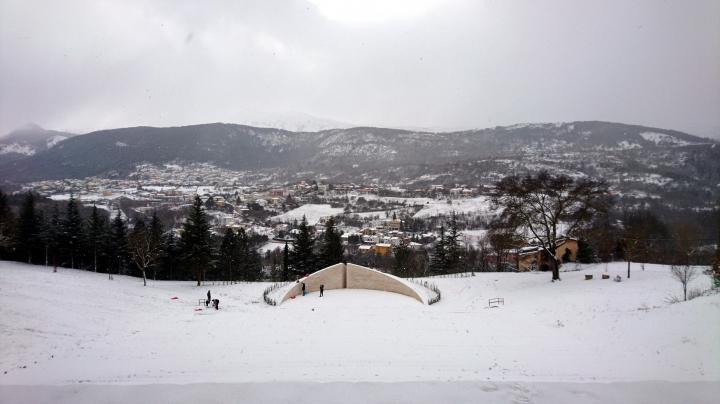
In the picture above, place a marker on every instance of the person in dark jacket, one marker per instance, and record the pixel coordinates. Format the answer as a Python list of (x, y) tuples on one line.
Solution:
[(216, 304), (303, 288), (322, 288), (207, 302)]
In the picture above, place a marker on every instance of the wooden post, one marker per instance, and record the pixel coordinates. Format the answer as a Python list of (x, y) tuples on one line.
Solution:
[(628, 269)]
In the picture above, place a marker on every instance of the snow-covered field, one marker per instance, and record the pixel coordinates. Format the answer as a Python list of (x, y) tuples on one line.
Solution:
[(312, 212), (75, 336), (479, 206)]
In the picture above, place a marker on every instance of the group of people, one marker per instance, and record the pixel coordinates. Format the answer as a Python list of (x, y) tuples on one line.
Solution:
[(322, 288), (215, 302)]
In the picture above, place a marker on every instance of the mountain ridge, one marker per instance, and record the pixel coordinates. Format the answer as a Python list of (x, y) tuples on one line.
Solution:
[(244, 147)]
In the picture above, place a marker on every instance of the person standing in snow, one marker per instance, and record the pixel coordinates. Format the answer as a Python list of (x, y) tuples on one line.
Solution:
[(216, 304), (322, 287), (207, 302), (303, 288)]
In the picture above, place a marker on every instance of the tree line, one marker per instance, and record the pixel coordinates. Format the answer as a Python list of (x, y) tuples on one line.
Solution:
[(107, 243), (61, 237), (541, 207)]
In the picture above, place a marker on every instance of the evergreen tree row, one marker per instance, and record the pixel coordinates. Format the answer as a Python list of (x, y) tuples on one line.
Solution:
[(60, 237), (447, 254), (306, 257)]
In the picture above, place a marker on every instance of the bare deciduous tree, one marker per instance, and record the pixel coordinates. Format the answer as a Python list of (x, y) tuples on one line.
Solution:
[(502, 239), (541, 204), (684, 274), (144, 248)]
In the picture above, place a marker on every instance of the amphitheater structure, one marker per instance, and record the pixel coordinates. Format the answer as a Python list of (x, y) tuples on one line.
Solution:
[(351, 276)]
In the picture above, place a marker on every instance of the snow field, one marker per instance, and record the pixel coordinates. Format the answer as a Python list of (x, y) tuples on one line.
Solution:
[(363, 393), (77, 327), (479, 206), (312, 212)]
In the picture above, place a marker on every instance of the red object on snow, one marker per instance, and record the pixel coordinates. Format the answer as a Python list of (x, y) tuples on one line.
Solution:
[(198, 309), (174, 298), (292, 297)]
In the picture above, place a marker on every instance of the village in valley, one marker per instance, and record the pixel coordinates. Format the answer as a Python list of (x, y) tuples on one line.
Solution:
[(373, 219)]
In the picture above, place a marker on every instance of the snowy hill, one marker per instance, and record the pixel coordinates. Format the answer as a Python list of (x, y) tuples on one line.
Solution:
[(351, 152), (76, 327), (642, 164), (29, 140)]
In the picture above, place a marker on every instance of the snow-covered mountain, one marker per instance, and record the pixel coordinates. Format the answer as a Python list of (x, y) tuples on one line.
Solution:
[(654, 160), (29, 140), (294, 121)]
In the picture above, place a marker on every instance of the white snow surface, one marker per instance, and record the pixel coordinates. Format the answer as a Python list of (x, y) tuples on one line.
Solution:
[(380, 214), (312, 212), (17, 148), (363, 393), (625, 145), (663, 139), (550, 342), (55, 140), (476, 206), (274, 245)]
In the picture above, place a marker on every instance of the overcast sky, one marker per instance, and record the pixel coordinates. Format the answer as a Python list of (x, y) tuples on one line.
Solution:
[(86, 65)]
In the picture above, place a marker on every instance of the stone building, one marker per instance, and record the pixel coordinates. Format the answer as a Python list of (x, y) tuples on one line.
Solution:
[(533, 259)]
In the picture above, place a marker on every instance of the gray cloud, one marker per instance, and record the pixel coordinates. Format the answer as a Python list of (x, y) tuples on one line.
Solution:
[(84, 65)]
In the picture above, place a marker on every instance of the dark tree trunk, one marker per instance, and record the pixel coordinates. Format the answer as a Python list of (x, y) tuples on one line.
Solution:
[(555, 270), (554, 264), (628, 269)]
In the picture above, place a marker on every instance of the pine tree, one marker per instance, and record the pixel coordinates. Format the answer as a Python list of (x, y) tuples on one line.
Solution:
[(169, 257), (438, 264), (117, 250), (716, 261), (453, 252), (403, 256), (331, 250), (286, 263), (228, 254), (7, 226), (243, 253), (275, 267), (302, 256), (195, 241), (585, 254), (42, 226), (50, 235), (254, 266), (96, 235), (250, 262), (72, 231), (156, 234), (28, 228)]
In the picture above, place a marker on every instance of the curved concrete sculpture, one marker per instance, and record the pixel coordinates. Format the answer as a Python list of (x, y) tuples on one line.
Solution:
[(351, 276)]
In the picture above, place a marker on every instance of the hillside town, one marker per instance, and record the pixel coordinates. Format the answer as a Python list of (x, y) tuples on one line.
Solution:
[(372, 218), (376, 223)]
